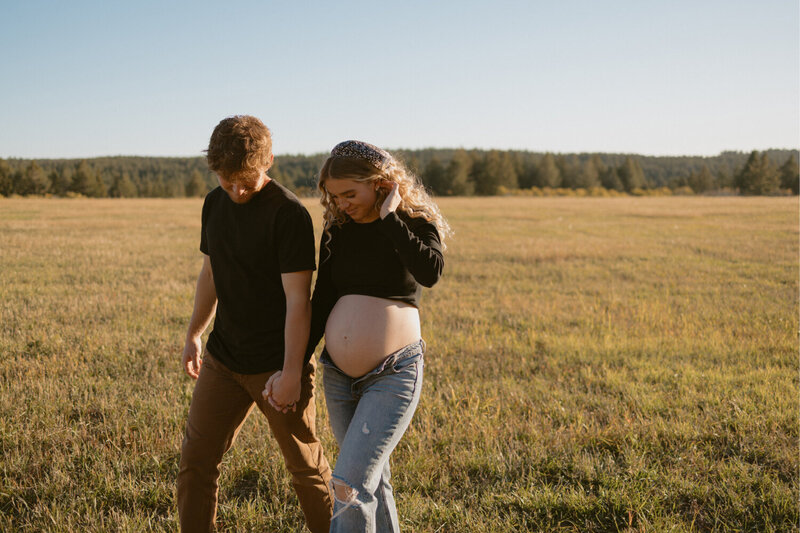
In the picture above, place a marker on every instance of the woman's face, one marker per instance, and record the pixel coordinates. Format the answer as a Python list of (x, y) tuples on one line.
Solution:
[(357, 199)]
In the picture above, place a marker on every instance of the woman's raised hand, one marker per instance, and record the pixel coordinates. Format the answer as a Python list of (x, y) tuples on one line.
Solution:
[(392, 201)]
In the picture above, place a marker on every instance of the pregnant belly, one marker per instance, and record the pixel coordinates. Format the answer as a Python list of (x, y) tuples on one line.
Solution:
[(362, 330)]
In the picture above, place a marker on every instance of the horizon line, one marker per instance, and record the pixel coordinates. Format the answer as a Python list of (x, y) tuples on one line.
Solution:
[(313, 154)]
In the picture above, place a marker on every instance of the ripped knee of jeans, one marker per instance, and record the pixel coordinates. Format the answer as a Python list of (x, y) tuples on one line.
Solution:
[(344, 494)]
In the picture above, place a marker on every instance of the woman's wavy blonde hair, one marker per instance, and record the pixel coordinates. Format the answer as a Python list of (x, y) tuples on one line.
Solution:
[(414, 200)]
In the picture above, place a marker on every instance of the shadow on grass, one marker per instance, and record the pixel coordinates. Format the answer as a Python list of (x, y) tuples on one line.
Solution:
[(244, 486)]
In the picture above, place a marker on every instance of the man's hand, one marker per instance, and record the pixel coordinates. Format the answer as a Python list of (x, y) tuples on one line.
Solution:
[(283, 387), (205, 304), (192, 359), (282, 392)]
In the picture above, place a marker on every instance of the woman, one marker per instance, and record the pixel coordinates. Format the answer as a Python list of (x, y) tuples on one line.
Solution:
[(382, 241)]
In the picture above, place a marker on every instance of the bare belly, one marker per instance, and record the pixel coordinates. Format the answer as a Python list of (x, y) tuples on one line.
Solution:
[(362, 330)]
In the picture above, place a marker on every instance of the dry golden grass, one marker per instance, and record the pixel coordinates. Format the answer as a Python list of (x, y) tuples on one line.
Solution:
[(623, 364)]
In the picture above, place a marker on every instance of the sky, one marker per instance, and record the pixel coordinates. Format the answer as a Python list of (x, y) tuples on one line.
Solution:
[(152, 78)]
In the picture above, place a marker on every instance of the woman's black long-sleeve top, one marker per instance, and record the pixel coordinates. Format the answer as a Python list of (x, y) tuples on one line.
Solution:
[(389, 258)]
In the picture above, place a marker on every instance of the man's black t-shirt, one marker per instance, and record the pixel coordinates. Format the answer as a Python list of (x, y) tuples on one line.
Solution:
[(250, 245)]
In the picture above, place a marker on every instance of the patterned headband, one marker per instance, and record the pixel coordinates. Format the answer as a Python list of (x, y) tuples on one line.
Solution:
[(378, 158)]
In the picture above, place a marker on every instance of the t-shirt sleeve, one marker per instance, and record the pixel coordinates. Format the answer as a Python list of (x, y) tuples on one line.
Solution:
[(419, 249), (325, 295), (294, 238), (203, 227)]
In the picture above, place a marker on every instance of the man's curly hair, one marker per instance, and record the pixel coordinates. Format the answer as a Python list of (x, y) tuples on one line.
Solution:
[(239, 143)]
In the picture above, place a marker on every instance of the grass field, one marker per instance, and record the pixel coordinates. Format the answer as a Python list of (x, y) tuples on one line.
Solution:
[(626, 364)]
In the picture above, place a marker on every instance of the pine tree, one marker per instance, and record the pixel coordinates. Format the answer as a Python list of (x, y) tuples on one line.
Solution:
[(610, 180), (458, 174), (33, 180), (493, 171), (527, 176), (631, 175), (276, 172), (157, 187), (517, 163), (758, 176), (97, 186), (702, 181), (500, 166), (435, 178), (196, 186), (82, 179), (598, 163), (59, 181), (790, 175), (724, 179), (569, 170), (478, 174), (6, 184), (122, 187), (547, 174), (588, 176)]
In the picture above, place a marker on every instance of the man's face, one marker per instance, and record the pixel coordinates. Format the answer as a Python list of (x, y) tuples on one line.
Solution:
[(242, 186)]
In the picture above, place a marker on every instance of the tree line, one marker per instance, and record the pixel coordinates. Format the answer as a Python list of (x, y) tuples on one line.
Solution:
[(446, 172)]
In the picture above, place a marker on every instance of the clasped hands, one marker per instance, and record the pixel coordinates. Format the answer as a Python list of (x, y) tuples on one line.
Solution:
[(282, 392)]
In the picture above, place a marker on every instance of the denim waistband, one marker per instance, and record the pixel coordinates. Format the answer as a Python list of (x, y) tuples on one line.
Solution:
[(410, 350)]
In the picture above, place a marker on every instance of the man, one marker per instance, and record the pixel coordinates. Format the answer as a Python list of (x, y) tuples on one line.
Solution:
[(258, 246)]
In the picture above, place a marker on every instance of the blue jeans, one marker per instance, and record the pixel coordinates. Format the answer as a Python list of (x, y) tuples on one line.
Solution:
[(368, 416)]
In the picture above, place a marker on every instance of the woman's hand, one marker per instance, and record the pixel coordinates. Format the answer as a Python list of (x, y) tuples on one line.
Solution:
[(392, 201), (282, 392)]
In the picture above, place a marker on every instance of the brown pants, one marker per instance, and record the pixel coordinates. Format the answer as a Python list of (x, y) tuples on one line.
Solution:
[(220, 404)]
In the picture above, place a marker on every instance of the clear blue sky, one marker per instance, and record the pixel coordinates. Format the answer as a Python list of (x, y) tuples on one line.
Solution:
[(85, 79)]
